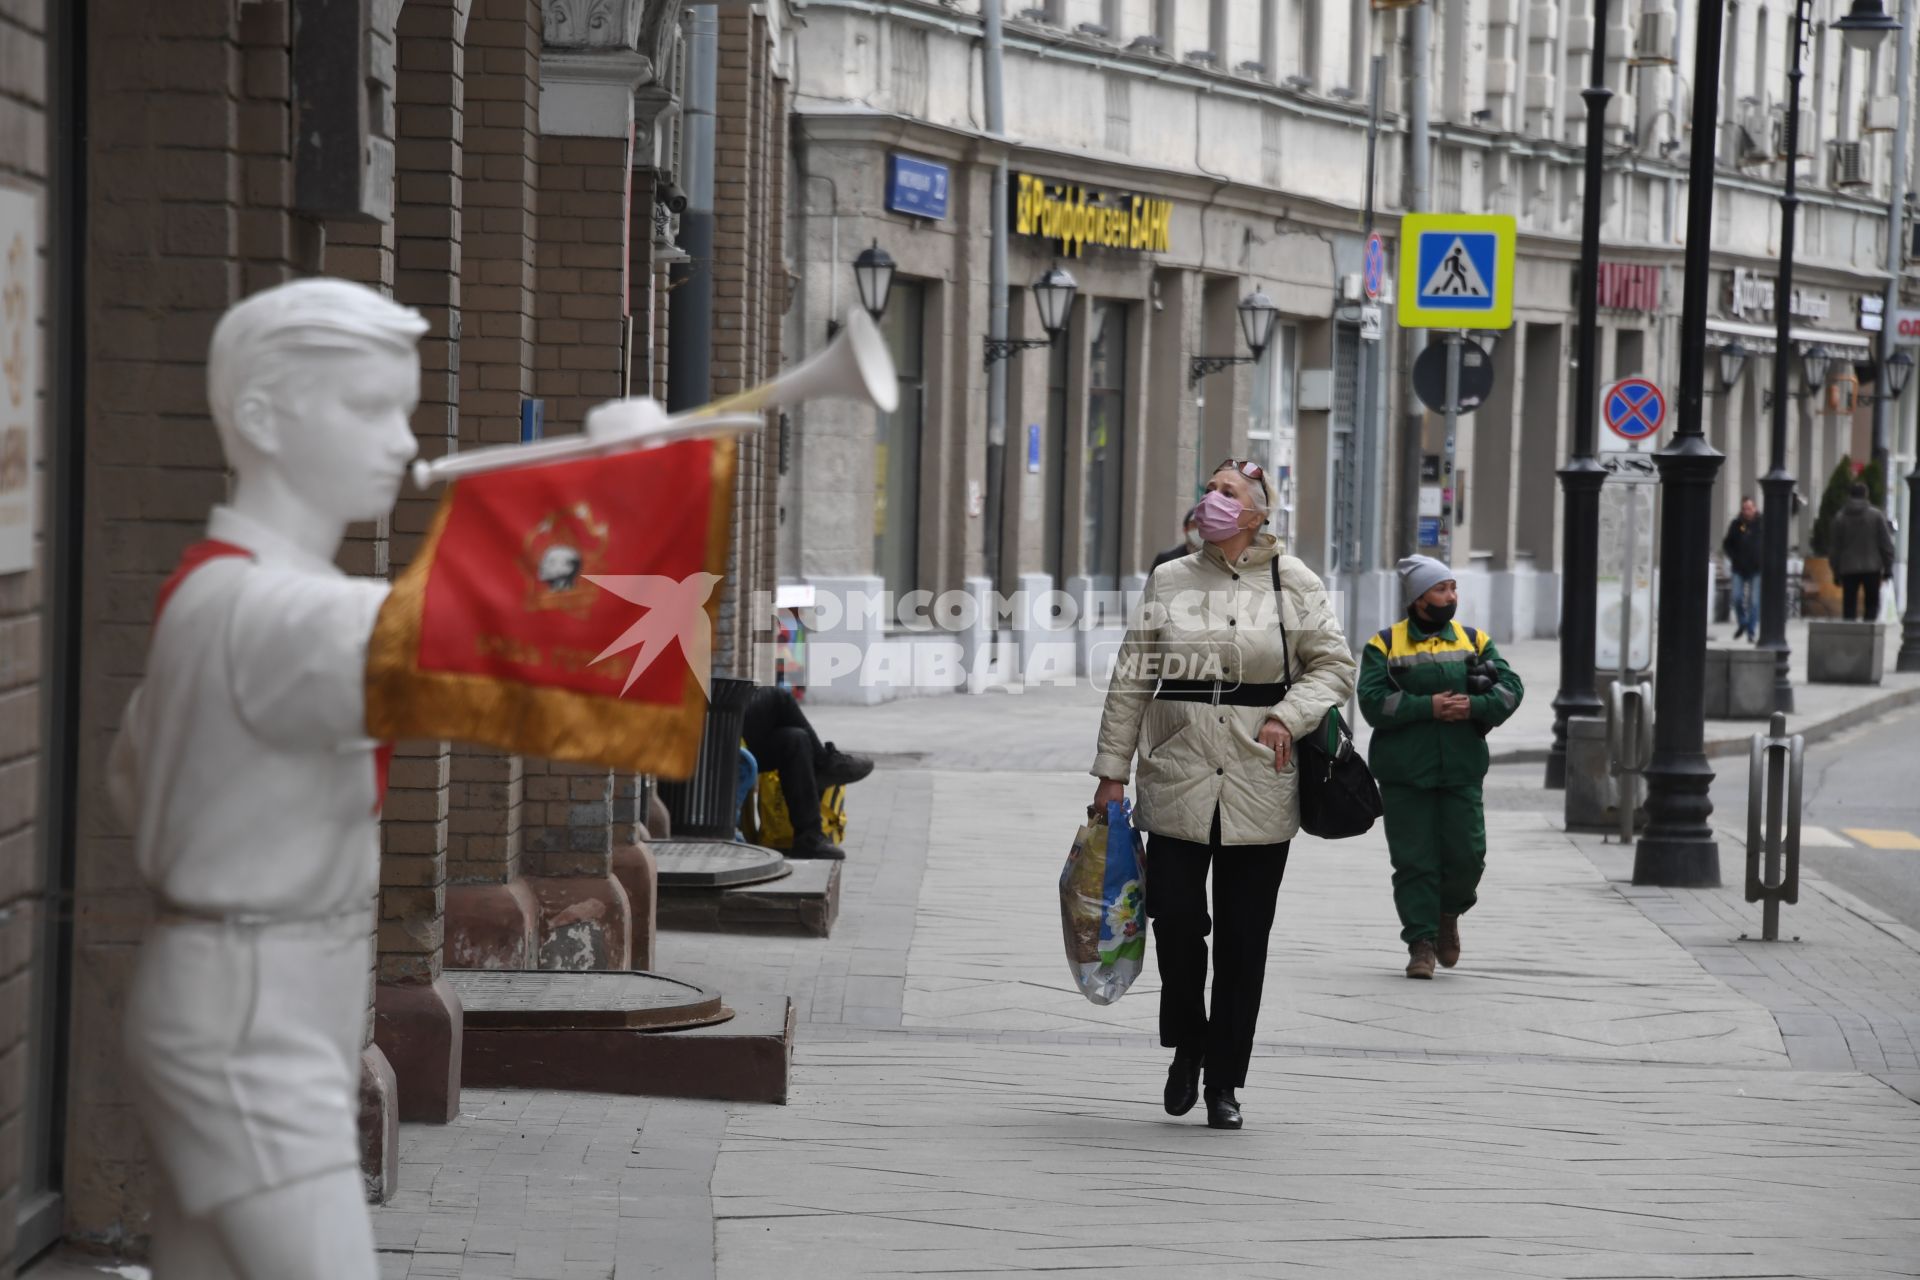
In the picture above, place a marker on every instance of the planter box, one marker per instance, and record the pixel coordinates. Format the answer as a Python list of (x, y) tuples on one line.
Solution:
[(1739, 684), (1845, 652)]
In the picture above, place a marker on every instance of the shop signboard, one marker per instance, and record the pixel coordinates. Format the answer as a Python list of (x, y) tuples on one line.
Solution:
[(1074, 216), (917, 187)]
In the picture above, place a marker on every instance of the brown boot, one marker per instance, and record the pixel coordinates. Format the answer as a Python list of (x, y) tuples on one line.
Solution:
[(1421, 959), (1448, 947)]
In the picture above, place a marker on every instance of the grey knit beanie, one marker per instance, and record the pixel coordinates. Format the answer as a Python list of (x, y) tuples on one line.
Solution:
[(1419, 575)]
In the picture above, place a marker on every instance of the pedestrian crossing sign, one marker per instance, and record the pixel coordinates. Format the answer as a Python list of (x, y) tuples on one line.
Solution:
[(1456, 271)]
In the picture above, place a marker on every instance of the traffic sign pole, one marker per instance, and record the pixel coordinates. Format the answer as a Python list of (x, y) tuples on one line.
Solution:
[(1447, 494)]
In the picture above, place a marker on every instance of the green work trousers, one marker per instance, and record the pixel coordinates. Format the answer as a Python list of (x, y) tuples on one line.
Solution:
[(1437, 837)]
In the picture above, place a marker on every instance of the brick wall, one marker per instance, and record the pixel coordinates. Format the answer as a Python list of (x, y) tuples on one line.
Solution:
[(580, 361), (431, 101), (749, 283), (188, 188), (498, 220), (23, 163)]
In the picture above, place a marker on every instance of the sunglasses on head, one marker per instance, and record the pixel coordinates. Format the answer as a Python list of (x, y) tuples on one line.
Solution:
[(1245, 466)]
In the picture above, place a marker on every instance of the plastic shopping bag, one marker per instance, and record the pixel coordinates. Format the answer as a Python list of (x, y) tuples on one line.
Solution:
[(1103, 906)]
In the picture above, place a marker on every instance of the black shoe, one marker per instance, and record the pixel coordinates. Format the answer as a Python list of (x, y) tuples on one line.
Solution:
[(1739, 633), (1183, 1083), (816, 845), (1223, 1109), (837, 768)]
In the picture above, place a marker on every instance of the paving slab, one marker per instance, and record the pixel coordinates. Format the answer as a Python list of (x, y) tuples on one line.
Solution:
[(951, 1159)]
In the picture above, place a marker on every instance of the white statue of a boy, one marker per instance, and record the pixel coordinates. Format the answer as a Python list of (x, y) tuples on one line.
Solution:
[(245, 768)]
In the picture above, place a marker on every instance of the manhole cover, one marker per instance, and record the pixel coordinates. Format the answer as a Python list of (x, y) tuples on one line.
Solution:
[(523, 999), (715, 864)]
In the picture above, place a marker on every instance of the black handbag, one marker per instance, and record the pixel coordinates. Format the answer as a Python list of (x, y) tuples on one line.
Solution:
[(1338, 796)]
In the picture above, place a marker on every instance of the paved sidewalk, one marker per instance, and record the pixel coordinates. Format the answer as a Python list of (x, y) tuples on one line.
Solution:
[(1613, 1083)]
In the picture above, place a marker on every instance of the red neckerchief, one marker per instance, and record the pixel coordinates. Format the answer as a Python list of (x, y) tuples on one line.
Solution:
[(213, 549)]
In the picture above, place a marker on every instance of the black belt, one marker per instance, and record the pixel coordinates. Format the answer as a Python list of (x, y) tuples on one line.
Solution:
[(1220, 694)]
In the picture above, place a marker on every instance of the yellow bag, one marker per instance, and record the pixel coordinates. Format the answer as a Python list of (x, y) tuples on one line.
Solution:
[(764, 819)]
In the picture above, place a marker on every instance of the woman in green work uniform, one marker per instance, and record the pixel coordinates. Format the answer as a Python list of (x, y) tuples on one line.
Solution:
[(1432, 688)]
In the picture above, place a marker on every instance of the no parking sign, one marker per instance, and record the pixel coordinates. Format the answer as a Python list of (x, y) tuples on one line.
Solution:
[(1634, 408)]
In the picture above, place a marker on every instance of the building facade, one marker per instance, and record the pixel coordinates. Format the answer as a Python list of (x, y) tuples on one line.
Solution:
[(1247, 123), (513, 170)]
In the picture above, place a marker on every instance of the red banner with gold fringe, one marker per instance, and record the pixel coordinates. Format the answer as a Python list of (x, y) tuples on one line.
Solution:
[(563, 611)]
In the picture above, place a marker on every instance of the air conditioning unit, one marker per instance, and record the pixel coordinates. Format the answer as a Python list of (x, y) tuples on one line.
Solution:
[(1882, 114), (1352, 288), (1850, 164), (1754, 123), (1653, 41), (1801, 144)]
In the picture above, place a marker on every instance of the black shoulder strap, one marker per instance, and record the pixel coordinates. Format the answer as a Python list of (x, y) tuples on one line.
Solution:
[(1280, 605), (1473, 638)]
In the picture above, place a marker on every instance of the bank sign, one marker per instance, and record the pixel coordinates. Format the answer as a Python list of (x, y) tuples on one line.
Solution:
[(1074, 217)]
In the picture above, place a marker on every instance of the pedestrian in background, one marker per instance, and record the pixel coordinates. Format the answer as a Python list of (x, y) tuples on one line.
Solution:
[(1860, 547), (1432, 689), (1742, 545), (1217, 782), (1193, 542)]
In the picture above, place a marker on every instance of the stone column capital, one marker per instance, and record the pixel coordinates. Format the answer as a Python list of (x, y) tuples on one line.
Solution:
[(591, 24), (590, 94)]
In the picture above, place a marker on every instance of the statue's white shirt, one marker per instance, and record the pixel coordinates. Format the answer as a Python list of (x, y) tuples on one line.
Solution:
[(243, 761)]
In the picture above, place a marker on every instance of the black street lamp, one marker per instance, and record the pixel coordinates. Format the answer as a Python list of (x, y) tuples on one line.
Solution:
[(873, 272), (1053, 295), (1581, 478), (1897, 371), (1908, 658), (1678, 847), (1732, 360), (1257, 314), (1865, 24)]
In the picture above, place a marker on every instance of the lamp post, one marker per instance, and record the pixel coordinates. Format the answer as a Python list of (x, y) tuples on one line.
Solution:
[(1864, 26), (1257, 314), (1896, 250), (1908, 658), (1678, 847), (1581, 478), (1053, 295)]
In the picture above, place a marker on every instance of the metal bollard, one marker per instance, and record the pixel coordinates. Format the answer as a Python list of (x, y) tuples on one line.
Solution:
[(1629, 747), (1775, 772)]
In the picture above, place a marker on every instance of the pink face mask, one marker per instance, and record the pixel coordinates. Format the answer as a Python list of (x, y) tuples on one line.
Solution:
[(1219, 516)]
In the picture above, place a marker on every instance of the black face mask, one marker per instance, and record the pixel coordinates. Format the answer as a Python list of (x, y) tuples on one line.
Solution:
[(1436, 615)]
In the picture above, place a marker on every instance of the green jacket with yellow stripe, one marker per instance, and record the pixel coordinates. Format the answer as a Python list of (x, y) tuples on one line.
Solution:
[(1401, 669)]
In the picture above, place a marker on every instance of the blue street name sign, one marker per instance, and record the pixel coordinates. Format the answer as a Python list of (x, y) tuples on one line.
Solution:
[(918, 187)]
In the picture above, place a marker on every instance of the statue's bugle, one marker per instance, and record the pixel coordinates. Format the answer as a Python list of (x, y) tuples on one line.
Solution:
[(855, 364)]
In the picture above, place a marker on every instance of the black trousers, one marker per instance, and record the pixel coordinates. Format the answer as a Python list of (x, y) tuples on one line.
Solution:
[(1855, 585), (1246, 887), (776, 730)]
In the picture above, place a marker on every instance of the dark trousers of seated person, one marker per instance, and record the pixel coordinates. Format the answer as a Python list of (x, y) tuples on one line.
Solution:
[(1852, 587), (1246, 887), (776, 731)]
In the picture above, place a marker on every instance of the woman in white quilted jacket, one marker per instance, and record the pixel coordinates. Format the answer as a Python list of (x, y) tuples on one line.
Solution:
[(1209, 692)]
